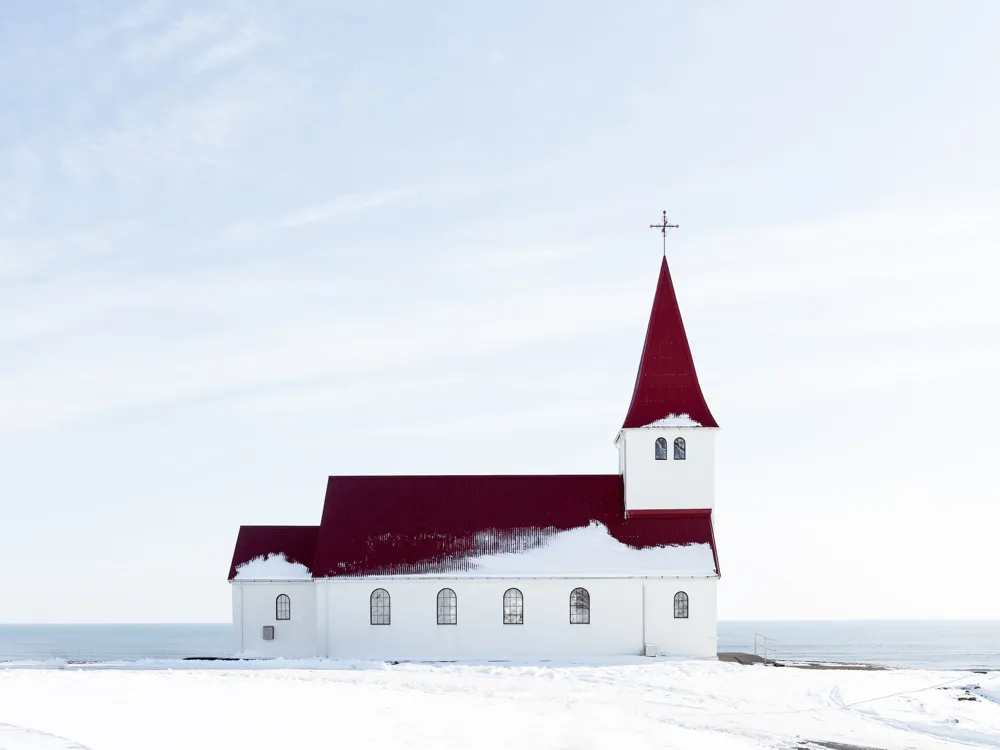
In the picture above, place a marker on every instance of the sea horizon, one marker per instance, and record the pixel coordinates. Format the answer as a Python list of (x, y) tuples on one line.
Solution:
[(923, 644)]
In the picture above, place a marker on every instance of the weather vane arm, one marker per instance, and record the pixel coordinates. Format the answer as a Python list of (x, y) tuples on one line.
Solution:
[(663, 227)]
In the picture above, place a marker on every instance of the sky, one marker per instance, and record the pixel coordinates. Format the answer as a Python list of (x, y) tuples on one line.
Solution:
[(248, 245)]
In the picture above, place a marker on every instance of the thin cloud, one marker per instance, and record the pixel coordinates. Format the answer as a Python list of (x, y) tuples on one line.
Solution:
[(348, 204), (180, 35), (225, 51), (175, 142), (344, 205)]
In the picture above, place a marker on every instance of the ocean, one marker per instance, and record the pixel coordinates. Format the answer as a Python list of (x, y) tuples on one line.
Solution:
[(926, 644)]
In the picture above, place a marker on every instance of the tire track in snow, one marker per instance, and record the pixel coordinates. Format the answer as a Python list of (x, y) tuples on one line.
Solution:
[(690, 720), (951, 733), (27, 738)]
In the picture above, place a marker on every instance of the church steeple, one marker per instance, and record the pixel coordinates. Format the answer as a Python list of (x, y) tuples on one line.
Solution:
[(667, 383)]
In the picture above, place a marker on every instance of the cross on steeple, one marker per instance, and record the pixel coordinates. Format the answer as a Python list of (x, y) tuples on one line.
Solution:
[(663, 227)]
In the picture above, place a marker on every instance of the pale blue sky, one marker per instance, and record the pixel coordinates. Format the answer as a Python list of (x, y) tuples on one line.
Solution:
[(245, 245)]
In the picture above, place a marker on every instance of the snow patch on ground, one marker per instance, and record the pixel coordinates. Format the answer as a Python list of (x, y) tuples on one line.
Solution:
[(641, 705), (592, 551), (273, 567), (675, 420)]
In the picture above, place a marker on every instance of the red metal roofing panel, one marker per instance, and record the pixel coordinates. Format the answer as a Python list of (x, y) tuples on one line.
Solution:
[(298, 543), (666, 382), (398, 525)]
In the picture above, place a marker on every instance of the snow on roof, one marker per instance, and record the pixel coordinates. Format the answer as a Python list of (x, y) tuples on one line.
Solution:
[(272, 567), (589, 551), (296, 543), (434, 525), (675, 420)]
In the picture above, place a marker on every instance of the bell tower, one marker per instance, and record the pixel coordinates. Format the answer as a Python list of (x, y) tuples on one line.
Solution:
[(666, 446)]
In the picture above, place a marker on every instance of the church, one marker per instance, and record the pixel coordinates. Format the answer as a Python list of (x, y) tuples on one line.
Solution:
[(508, 567)]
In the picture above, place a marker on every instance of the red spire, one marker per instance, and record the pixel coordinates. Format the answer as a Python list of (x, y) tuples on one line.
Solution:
[(667, 382)]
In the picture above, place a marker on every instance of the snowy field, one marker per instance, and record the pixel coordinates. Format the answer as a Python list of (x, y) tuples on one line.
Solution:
[(627, 705)]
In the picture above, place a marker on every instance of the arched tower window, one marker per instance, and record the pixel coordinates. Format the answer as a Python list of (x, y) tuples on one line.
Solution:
[(680, 605), (680, 449), (447, 607), (513, 607), (579, 607), (661, 449), (380, 607), (283, 607)]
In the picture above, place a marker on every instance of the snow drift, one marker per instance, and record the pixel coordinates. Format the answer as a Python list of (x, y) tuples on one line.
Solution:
[(272, 567), (591, 551), (675, 420)]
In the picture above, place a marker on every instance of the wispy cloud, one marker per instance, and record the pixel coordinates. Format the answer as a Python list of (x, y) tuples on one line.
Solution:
[(348, 204), (231, 230), (177, 141), (295, 340), (28, 255), (313, 214), (178, 36), (231, 48), (491, 257)]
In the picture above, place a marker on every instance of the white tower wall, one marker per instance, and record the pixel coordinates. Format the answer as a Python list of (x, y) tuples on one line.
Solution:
[(669, 484)]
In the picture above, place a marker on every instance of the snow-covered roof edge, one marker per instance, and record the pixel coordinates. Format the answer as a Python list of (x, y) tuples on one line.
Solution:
[(272, 567), (675, 420), (585, 552)]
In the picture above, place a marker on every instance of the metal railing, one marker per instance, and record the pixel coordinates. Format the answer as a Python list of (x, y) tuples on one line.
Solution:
[(765, 647)]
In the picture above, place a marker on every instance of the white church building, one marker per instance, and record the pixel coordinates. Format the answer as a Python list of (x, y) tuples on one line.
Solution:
[(508, 566)]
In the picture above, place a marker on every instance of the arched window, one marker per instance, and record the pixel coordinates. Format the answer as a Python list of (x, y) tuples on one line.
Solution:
[(680, 449), (380, 607), (661, 449), (283, 607), (513, 607), (680, 605), (447, 607), (579, 607)]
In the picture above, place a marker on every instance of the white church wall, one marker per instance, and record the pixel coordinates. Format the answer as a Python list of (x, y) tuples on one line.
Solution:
[(237, 632), (295, 637), (669, 484), (616, 619), (694, 636)]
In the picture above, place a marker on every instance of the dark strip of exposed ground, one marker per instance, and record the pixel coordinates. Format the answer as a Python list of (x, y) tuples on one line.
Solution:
[(736, 657)]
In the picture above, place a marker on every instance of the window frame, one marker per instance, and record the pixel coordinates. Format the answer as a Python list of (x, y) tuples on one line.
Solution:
[(681, 444), (283, 612), (579, 606), (380, 607), (513, 607), (447, 607), (661, 451), (682, 606)]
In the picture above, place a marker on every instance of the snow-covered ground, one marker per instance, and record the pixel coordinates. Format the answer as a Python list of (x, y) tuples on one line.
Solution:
[(633, 705)]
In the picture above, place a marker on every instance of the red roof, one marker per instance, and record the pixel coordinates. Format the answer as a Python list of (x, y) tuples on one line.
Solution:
[(666, 382), (297, 543), (397, 525)]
